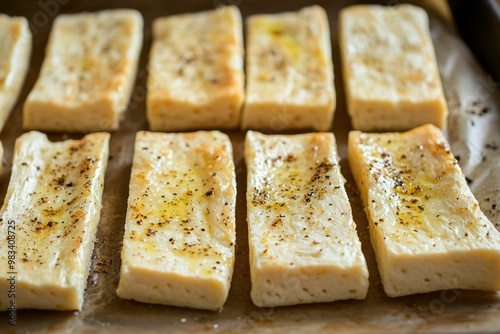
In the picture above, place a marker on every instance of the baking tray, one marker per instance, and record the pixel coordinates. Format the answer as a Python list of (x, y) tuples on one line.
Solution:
[(469, 94), (479, 25)]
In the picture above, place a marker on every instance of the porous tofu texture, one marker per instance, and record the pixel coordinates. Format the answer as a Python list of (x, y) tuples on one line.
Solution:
[(51, 210), (179, 243), (196, 78), (426, 227), (303, 242), (88, 72), (389, 68), (289, 72), (15, 51)]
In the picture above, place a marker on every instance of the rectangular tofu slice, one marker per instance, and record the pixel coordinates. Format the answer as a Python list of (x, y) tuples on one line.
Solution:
[(289, 71), (88, 72), (389, 68), (15, 52), (303, 242), (196, 74), (426, 227), (179, 243), (54, 203)]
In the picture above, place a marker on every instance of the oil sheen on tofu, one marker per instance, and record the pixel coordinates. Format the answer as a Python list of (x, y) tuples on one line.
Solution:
[(426, 227), (289, 71), (15, 51), (54, 203), (179, 242), (303, 242), (389, 68), (88, 72), (196, 78)]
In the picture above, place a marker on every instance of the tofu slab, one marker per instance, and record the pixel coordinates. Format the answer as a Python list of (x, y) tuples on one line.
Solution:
[(88, 72), (289, 71), (179, 243), (15, 52), (53, 203), (426, 227), (196, 78), (389, 68), (303, 242)]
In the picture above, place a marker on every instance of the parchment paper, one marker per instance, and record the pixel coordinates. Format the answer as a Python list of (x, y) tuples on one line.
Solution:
[(474, 134)]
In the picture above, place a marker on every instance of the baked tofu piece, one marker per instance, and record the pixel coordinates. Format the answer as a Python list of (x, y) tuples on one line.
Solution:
[(426, 227), (196, 74), (15, 51), (179, 243), (289, 71), (303, 242), (51, 212), (389, 68), (88, 72)]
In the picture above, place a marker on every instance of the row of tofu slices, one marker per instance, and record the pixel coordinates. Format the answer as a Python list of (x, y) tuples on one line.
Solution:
[(426, 227)]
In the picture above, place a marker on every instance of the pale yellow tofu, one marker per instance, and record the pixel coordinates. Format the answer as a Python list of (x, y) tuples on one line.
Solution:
[(391, 78), (179, 243), (289, 71), (303, 242), (196, 78), (15, 51), (51, 212), (426, 227), (88, 72)]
